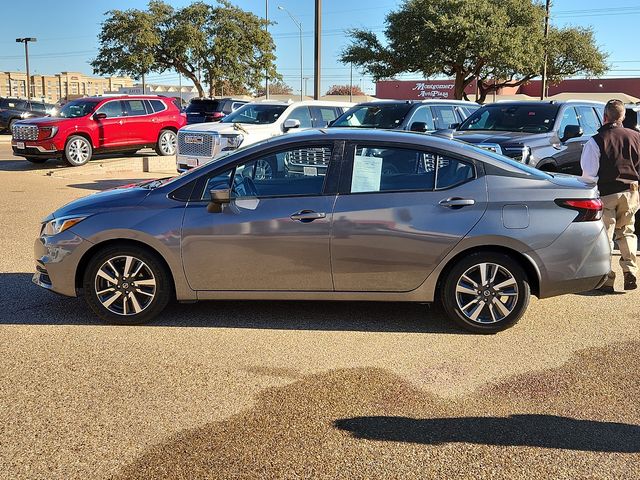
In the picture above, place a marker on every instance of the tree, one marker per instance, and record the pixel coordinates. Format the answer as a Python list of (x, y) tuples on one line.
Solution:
[(221, 45), (276, 87), (344, 90), (498, 43)]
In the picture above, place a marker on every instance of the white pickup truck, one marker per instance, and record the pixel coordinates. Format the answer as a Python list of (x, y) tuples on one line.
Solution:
[(200, 143)]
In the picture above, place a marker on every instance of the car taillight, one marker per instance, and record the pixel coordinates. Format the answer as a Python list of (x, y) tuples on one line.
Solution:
[(214, 116), (589, 209), (46, 132)]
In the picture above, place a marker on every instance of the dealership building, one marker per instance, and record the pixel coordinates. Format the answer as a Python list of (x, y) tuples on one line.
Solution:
[(597, 88)]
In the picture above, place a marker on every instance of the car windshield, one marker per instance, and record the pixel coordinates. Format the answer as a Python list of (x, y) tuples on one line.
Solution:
[(255, 113), (374, 116), (203, 106), (77, 108), (530, 118)]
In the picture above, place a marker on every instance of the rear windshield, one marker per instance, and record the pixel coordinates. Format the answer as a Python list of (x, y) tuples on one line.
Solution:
[(255, 113), (203, 106), (374, 116), (513, 118)]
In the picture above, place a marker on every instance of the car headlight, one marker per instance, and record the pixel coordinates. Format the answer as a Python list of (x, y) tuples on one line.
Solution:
[(59, 225), (47, 132), (233, 141)]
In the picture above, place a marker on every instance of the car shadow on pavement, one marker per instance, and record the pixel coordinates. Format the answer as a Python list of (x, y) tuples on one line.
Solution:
[(107, 184), (545, 431), (27, 304)]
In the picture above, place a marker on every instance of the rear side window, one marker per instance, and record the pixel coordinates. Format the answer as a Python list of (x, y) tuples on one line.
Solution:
[(38, 107), (157, 105), (324, 115), (588, 120), (443, 116), (135, 107)]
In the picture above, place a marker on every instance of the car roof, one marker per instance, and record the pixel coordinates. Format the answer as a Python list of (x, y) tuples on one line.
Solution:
[(204, 99), (417, 102), (125, 97), (330, 103), (545, 102)]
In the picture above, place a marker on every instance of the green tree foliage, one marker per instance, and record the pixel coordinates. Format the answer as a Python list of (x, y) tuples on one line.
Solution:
[(220, 45), (276, 87), (499, 44), (344, 90)]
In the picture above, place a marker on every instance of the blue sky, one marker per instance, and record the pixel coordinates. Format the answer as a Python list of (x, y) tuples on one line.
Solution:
[(67, 33)]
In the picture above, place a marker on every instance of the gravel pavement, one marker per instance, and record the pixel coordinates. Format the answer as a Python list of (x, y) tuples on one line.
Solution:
[(301, 389)]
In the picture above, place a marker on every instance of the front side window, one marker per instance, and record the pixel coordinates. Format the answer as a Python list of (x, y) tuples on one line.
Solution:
[(111, 109), (588, 120), (255, 114), (402, 169), (303, 115), (423, 115), (569, 117)]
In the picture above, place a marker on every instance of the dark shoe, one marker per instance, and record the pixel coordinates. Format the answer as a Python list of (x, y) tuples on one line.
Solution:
[(630, 281), (606, 289)]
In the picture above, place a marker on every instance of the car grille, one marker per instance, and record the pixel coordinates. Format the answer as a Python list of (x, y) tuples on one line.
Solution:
[(309, 157), (25, 132), (197, 144)]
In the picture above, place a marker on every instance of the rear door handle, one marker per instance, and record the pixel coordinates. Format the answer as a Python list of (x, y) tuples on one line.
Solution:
[(457, 202), (306, 216)]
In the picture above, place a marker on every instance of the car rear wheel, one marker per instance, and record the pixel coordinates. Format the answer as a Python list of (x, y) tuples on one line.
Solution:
[(126, 285), (166, 143), (77, 151), (486, 292), (35, 159)]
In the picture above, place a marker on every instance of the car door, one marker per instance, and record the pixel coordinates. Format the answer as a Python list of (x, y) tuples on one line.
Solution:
[(321, 115), (142, 126), (391, 227), (274, 233), (568, 157), (112, 131)]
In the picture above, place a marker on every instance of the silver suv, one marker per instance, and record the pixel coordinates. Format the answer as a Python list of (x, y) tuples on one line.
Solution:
[(453, 223)]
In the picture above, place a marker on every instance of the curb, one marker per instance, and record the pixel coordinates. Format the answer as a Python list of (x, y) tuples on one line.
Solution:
[(151, 164)]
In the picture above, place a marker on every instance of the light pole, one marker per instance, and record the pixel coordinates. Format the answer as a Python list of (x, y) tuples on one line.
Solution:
[(266, 29), (543, 83), (26, 41), (299, 25)]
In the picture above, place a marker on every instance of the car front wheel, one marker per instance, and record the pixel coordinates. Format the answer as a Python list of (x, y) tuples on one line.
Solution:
[(166, 143), (126, 285), (77, 151), (486, 292)]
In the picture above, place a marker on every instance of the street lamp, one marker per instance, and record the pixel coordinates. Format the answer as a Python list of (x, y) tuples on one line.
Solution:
[(26, 41), (299, 25)]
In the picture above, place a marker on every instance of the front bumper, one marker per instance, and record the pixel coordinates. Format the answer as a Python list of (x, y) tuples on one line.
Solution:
[(57, 259), (33, 148)]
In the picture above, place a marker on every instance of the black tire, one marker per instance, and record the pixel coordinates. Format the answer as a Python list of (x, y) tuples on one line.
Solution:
[(491, 317), (117, 312), (35, 159), (166, 144), (77, 151)]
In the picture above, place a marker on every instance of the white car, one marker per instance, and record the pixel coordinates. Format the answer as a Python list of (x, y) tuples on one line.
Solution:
[(203, 142)]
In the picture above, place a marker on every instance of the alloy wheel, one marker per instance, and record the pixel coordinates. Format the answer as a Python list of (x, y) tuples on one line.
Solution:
[(168, 143), (264, 171), (486, 293), (125, 285), (78, 151)]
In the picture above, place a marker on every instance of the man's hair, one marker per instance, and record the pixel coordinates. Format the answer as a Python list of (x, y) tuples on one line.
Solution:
[(614, 110)]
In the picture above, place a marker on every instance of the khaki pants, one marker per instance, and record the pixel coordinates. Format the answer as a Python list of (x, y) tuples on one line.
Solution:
[(619, 220)]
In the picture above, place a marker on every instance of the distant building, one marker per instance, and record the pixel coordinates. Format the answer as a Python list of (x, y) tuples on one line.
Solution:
[(186, 92), (64, 85), (443, 89)]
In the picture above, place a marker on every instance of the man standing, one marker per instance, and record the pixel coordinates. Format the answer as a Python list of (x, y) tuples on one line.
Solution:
[(611, 158)]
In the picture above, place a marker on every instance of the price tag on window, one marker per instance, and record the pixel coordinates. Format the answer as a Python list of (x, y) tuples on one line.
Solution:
[(367, 172)]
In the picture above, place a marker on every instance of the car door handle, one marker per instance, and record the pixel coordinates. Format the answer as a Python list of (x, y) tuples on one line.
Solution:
[(456, 202), (306, 216)]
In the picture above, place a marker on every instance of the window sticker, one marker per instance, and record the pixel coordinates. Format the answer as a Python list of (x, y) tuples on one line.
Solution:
[(366, 174)]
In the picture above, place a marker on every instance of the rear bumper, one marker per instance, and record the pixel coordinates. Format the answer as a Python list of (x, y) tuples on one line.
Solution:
[(579, 260)]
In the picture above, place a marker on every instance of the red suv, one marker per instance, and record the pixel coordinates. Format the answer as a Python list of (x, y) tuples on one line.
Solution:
[(100, 124)]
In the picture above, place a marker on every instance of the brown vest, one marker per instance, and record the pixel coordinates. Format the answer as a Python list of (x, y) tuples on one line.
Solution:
[(619, 158)]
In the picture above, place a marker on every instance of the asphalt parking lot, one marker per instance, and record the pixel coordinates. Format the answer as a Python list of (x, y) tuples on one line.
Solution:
[(300, 389)]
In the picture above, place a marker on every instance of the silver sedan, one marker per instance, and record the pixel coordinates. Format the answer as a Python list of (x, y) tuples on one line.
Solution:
[(345, 214)]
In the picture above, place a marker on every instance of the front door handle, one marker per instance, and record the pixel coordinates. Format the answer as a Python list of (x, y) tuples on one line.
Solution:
[(306, 216), (456, 202)]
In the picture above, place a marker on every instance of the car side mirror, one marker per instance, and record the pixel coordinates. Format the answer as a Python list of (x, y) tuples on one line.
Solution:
[(291, 123), (218, 199), (99, 116), (571, 131), (418, 127), (454, 126)]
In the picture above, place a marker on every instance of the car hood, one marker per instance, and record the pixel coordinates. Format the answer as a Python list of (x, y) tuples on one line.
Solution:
[(47, 121), (229, 128), (126, 196), (488, 136)]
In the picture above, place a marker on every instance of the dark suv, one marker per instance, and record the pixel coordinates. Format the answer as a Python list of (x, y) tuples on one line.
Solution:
[(416, 116), (632, 116), (545, 135), (15, 109), (202, 110)]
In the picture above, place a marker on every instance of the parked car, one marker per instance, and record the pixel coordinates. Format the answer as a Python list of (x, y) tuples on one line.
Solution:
[(202, 110), (545, 135), (199, 144), (417, 116), (13, 110), (632, 116), (97, 125), (458, 224)]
